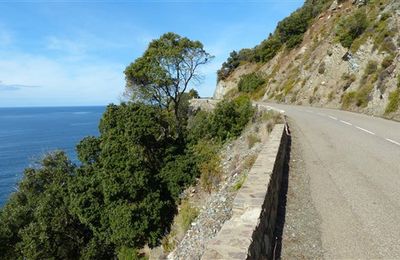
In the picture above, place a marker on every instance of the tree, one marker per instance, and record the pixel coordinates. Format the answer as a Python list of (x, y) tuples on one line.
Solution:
[(36, 222), (166, 69)]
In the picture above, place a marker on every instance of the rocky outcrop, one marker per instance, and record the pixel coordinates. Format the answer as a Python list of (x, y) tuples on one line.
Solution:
[(321, 72)]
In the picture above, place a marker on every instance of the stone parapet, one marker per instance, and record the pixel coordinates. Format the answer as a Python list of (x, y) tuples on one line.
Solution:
[(249, 234)]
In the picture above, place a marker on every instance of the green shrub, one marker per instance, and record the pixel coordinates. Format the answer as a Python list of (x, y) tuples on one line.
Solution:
[(348, 99), (289, 33), (230, 117), (288, 85), (387, 61), (371, 68), (250, 82), (208, 163), (350, 28), (179, 172), (126, 253), (238, 185), (394, 102), (363, 94), (186, 215)]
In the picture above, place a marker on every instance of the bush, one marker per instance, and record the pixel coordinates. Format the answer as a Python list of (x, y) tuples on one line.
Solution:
[(179, 173), (250, 83), (230, 117), (371, 68), (387, 61), (289, 32), (348, 99), (350, 28), (208, 161), (187, 214), (394, 102)]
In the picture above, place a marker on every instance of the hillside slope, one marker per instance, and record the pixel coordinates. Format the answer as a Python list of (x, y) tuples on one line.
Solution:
[(347, 57)]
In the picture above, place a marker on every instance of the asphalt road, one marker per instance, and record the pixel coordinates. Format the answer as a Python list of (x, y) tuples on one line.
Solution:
[(353, 163)]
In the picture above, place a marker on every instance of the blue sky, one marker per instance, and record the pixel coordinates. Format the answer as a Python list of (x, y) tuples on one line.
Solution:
[(70, 53)]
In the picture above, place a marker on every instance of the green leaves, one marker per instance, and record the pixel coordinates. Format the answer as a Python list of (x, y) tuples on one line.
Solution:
[(350, 28), (250, 83), (165, 70)]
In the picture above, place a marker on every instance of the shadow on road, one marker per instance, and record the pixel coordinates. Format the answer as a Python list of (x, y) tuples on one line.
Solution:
[(280, 221)]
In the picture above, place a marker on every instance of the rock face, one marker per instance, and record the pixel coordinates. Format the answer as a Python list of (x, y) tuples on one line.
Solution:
[(224, 87), (321, 72)]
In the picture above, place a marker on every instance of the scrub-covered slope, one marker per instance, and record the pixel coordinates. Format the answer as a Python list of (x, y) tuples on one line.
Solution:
[(340, 54)]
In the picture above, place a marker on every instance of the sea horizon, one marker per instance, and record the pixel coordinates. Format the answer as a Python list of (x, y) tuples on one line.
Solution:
[(27, 133)]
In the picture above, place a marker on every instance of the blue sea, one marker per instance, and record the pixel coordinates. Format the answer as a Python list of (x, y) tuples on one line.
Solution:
[(26, 134)]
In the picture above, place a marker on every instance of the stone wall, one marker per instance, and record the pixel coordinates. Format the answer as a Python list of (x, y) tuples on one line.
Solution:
[(249, 234)]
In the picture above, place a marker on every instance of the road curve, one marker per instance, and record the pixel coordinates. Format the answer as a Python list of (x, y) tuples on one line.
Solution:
[(353, 163)]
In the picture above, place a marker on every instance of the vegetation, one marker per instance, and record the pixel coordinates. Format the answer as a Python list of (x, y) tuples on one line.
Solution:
[(288, 34), (394, 99), (387, 61), (188, 213), (394, 102), (351, 27), (371, 68), (250, 83), (124, 192), (238, 185), (163, 73)]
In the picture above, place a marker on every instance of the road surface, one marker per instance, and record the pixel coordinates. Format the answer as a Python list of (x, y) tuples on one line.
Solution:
[(353, 163)]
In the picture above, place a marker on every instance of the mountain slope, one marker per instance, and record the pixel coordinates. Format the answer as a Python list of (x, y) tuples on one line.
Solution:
[(348, 57)]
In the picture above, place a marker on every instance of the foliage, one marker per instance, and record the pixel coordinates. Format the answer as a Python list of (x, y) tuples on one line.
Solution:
[(230, 117), (387, 61), (226, 121), (187, 214), (193, 93), (351, 27), (360, 98), (234, 60), (208, 161), (394, 102), (180, 172), (288, 33), (371, 68), (165, 71), (250, 83), (123, 194), (347, 99), (239, 184), (36, 222)]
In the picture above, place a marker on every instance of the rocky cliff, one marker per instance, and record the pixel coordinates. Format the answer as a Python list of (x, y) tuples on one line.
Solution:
[(348, 57)]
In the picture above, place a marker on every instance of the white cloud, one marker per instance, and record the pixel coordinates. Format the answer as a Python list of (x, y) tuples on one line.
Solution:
[(61, 83)]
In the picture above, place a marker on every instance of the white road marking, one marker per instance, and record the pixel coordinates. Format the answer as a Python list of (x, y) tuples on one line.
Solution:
[(365, 130), (393, 142), (334, 118), (347, 123)]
